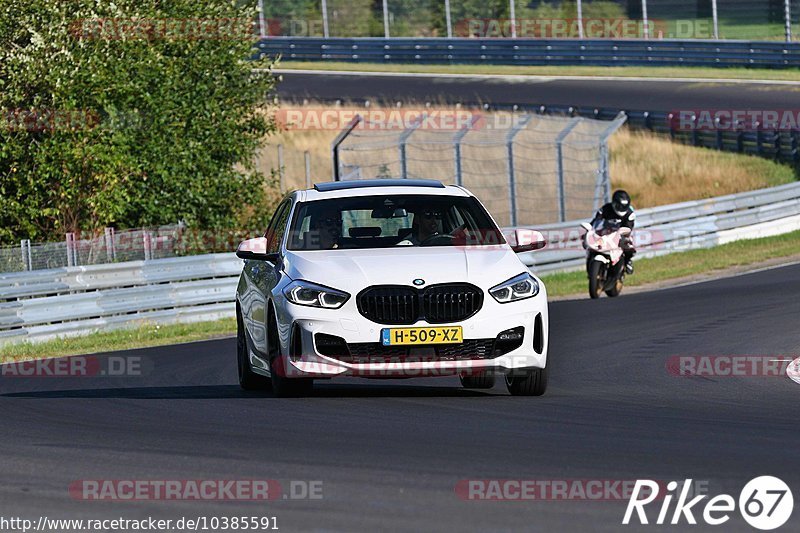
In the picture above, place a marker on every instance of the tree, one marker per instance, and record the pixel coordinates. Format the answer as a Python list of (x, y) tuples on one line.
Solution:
[(128, 113)]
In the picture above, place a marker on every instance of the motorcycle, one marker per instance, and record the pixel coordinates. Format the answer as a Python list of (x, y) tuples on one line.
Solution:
[(604, 257)]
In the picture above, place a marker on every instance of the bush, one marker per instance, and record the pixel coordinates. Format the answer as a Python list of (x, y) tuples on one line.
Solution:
[(107, 120)]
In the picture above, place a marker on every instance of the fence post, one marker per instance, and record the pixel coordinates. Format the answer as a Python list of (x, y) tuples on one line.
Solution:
[(715, 18), (457, 148), (307, 157), (645, 23), (386, 19), (25, 256), (325, 32), (603, 195), (403, 138), (513, 16), (339, 140), (111, 252), (562, 203), (787, 12), (512, 183), (280, 168), (447, 19), (580, 19), (70, 251), (261, 26), (148, 252)]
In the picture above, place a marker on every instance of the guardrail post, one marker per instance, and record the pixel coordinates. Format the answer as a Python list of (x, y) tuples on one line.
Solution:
[(512, 182), (787, 9), (307, 157), (111, 251), (562, 202)]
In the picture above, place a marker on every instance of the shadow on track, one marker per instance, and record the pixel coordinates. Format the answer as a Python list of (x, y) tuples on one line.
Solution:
[(208, 392)]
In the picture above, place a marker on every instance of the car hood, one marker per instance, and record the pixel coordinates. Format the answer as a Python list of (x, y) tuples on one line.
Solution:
[(354, 270)]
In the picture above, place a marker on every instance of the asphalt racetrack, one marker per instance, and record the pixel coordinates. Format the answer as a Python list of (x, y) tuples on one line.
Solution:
[(641, 95), (389, 454)]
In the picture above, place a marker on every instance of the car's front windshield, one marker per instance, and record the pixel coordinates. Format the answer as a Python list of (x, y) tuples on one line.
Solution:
[(384, 221)]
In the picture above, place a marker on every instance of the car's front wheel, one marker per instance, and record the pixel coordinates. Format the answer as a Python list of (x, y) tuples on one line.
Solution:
[(528, 383), (483, 380)]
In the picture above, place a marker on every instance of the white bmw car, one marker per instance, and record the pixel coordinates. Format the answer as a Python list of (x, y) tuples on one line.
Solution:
[(389, 279)]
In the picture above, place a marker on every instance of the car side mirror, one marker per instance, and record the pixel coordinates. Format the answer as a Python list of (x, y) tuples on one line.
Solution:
[(586, 226), (255, 249), (528, 240)]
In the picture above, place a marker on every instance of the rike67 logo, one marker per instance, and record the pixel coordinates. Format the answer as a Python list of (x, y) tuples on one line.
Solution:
[(765, 503)]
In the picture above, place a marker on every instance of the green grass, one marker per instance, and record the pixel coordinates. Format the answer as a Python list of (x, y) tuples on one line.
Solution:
[(678, 265), (123, 339), (651, 270), (643, 72)]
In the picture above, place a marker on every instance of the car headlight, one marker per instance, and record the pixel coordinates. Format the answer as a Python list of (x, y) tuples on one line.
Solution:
[(306, 293), (517, 288)]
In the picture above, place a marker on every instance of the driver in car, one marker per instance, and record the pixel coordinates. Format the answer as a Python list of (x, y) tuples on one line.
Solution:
[(326, 227), (426, 225)]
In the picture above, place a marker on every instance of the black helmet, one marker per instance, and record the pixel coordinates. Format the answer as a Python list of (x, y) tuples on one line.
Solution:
[(620, 202)]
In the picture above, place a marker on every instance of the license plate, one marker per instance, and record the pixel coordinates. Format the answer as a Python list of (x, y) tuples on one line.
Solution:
[(440, 335)]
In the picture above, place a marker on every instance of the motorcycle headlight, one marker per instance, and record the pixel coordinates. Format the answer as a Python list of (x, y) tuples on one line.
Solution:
[(517, 288), (306, 293)]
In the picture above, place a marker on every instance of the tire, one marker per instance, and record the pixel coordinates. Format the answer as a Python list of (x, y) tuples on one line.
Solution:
[(596, 279), (283, 387), (484, 380), (248, 380), (533, 383), (617, 289)]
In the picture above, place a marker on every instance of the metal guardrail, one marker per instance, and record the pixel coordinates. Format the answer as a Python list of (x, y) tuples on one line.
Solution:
[(44, 304), (600, 52)]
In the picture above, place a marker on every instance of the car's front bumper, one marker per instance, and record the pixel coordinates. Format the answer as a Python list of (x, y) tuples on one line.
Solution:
[(348, 324)]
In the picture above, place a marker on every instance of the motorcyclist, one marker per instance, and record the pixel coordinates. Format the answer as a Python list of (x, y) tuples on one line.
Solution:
[(619, 211)]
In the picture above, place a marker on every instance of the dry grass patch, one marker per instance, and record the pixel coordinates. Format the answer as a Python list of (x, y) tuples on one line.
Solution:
[(656, 171)]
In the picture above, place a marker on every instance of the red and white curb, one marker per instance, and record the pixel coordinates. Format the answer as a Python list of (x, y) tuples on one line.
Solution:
[(793, 370)]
